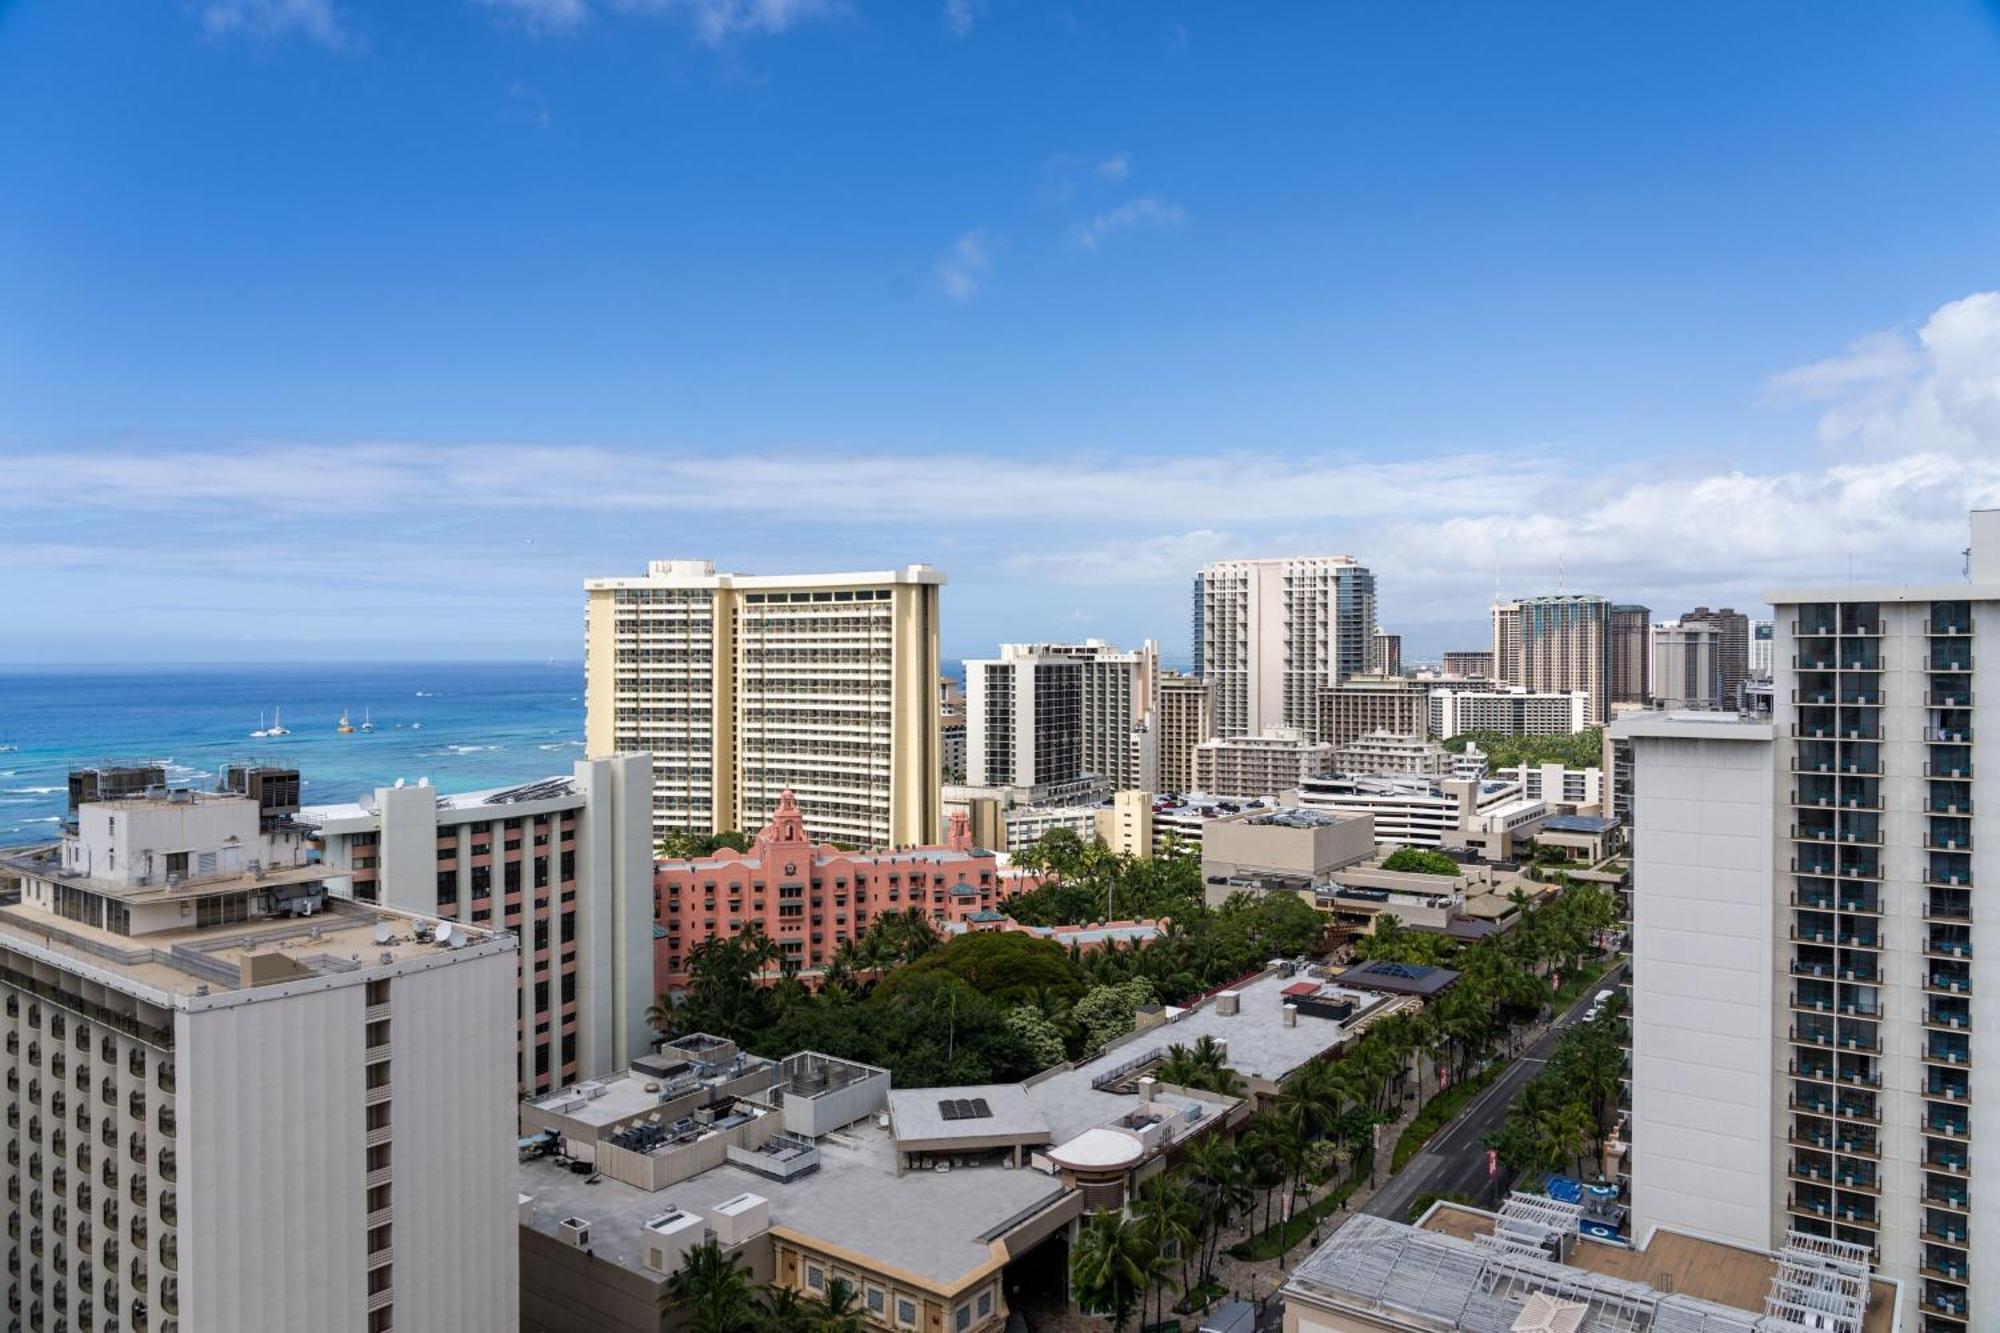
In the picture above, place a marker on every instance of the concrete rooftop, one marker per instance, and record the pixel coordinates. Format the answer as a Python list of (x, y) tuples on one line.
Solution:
[(932, 1223)]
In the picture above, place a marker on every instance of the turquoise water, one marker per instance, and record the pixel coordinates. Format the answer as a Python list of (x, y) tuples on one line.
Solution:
[(464, 725)]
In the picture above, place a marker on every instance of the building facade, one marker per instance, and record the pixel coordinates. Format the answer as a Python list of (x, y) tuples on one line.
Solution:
[(1361, 704), (1472, 664), (1385, 657), (1811, 888), (1509, 712), (1274, 631), (742, 686), (1254, 766), (235, 1103), (810, 897), (1631, 654), (1557, 643), (564, 864), (1045, 715), (1185, 718), (1732, 651), (1760, 649), (1387, 753), (1686, 665)]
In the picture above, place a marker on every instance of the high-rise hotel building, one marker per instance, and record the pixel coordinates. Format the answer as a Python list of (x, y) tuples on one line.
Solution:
[(1271, 632), (235, 1103), (565, 864), (742, 687), (1049, 715), (1559, 643), (1812, 1049)]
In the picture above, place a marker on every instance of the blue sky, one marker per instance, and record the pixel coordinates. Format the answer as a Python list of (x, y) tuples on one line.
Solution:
[(332, 328)]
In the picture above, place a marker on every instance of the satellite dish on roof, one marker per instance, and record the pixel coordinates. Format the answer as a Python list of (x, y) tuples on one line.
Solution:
[(384, 932), (444, 933)]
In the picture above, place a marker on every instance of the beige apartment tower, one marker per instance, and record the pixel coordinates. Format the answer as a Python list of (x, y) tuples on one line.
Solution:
[(1186, 718), (1271, 632), (1556, 643), (743, 686)]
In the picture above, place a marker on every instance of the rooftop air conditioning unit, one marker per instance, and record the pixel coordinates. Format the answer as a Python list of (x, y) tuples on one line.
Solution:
[(575, 1231)]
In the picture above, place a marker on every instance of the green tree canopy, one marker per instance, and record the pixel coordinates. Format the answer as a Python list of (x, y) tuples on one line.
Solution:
[(1006, 966), (1417, 861), (1583, 749)]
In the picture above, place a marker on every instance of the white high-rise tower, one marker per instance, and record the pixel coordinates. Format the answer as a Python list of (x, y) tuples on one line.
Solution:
[(1811, 1047)]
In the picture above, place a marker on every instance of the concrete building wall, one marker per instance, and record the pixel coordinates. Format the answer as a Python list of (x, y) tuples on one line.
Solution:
[(570, 872), (1705, 1096), (275, 1174), (1239, 845)]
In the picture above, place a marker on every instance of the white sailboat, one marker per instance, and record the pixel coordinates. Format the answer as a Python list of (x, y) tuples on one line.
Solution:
[(278, 727), (263, 728), (367, 722)]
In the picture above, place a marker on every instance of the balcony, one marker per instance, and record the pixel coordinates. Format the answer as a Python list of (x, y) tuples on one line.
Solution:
[(1951, 1194), (1948, 908), (1944, 1300), (1945, 1229), (1944, 1049), (1948, 1085), (1948, 1015), (1947, 1121), (1953, 1160)]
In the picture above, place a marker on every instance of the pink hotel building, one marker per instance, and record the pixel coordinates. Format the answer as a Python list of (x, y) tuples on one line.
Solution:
[(810, 897)]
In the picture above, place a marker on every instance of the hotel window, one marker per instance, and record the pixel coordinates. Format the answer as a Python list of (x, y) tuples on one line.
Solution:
[(986, 1302), (815, 1277), (877, 1301), (906, 1312), (961, 1318)]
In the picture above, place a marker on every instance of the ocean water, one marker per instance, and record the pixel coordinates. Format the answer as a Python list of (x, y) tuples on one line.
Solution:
[(463, 725)]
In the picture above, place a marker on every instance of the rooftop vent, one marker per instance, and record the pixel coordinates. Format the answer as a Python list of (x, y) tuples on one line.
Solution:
[(575, 1231)]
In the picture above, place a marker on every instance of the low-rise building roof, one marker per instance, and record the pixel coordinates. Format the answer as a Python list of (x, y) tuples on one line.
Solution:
[(1398, 978)]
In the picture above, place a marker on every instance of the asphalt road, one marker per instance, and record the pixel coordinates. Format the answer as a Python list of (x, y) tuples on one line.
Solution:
[(1454, 1161)]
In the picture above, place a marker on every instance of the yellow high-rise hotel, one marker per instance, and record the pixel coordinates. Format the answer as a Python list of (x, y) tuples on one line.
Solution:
[(742, 687)]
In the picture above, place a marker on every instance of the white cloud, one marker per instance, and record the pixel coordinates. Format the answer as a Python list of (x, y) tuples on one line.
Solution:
[(961, 16), (1148, 211), (1167, 559), (719, 22), (962, 272), (1936, 389), (1114, 169), (273, 20), (1435, 528), (542, 17)]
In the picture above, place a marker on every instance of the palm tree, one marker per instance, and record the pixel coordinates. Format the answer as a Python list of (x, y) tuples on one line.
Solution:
[(1167, 1217), (660, 1015), (785, 1310), (839, 1311), (1210, 1163), (715, 1291), (1107, 1267)]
